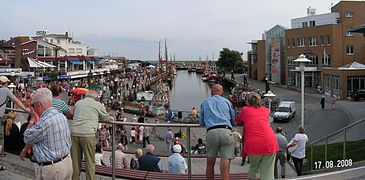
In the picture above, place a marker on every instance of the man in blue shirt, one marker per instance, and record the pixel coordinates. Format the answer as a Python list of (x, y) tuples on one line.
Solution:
[(217, 115)]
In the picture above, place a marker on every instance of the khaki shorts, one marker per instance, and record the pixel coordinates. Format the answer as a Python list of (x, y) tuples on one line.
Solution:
[(220, 140)]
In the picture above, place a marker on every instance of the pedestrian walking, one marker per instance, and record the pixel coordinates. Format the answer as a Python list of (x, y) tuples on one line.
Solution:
[(217, 115), (300, 139), (322, 102), (169, 137), (146, 136), (281, 154), (333, 102)]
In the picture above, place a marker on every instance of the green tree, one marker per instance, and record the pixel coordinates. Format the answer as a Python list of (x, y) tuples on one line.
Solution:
[(230, 60)]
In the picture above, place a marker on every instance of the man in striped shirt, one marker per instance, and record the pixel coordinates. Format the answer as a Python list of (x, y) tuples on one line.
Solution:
[(50, 137)]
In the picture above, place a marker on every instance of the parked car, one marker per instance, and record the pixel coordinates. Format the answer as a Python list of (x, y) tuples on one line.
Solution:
[(358, 95), (285, 111)]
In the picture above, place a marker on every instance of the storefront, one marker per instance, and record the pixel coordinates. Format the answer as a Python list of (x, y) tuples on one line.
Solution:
[(342, 82)]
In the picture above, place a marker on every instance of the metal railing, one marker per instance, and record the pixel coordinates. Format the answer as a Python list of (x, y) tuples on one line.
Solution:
[(187, 126), (350, 133)]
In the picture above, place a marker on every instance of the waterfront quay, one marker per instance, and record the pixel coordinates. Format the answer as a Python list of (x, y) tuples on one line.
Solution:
[(18, 168)]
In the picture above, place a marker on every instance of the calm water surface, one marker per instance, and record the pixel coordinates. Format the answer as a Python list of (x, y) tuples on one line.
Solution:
[(189, 91)]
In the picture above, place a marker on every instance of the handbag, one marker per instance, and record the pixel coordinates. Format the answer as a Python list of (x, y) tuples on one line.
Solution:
[(293, 148)]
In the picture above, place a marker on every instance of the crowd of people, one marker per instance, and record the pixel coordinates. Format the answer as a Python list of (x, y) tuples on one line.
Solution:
[(261, 145), (60, 138)]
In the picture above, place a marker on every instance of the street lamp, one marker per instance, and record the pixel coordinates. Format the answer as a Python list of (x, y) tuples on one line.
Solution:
[(12, 88), (302, 60), (270, 95)]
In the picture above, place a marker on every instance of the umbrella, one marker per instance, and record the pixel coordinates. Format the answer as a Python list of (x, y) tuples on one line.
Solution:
[(80, 91), (94, 86)]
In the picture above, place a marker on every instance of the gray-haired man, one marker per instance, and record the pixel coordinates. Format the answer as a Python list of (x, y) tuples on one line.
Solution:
[(87, 113)]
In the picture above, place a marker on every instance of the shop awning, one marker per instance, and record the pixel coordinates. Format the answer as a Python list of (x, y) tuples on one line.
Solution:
[(75, 62), (90, 61), (33, 63)]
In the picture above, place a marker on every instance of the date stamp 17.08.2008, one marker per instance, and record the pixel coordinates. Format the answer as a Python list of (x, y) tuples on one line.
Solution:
[(341, 163)]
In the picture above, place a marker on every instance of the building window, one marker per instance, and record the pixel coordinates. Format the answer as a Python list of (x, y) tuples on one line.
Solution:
[(349, 34), (51, 40), (288, 42), (349, 50), (301, 42), (313, 57), (328, 40), (71, 50), (58, 40), (313, 41), (321, 38), (326, 59), (293, 42), (254, 60), (79, 50), (304, 24), (312, 23), (348, 14)]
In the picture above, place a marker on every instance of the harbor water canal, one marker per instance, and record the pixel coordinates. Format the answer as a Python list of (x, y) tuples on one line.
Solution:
[(188, 91)]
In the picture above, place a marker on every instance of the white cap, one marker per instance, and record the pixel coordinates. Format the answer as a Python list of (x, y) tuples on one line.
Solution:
[(4, 79), (176, 148)]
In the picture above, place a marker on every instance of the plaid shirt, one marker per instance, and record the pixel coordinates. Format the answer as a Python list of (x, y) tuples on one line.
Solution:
[(50, 136)]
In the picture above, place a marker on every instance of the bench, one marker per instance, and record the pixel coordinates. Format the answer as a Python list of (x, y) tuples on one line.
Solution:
[(119, 173), (161, 154), (164, 176), (138, 174)]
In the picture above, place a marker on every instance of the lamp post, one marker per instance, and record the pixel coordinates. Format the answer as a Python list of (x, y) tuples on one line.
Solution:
[(270, 95), (12, 88), (302, 60)]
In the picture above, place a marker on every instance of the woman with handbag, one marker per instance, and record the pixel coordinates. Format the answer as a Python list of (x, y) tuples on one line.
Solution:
[(298, 154)]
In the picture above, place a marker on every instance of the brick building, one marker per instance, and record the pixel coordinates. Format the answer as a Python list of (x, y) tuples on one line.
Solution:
[(327, 41)]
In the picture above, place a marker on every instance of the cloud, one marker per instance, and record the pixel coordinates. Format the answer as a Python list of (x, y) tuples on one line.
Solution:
[(193, 28)]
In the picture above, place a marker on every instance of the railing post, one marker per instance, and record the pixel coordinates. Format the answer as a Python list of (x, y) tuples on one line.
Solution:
[(113, 151), (344, 144), (325, 150), (189, 158), (312, 157)]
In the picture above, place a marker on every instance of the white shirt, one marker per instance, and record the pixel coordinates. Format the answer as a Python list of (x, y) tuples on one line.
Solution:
[(98, 158), (300, 151), (133, 133), (141, 133)]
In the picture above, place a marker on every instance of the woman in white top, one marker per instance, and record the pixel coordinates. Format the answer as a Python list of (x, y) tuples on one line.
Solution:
[(300, 139), (99, 156)]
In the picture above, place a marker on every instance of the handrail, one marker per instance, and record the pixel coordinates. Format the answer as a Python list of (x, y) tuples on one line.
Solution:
[(338, 131), (325, 138), (188, 126), (16, 110)]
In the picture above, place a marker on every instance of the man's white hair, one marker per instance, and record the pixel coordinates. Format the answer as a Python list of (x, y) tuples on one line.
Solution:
[(92, 93), (43, 96)]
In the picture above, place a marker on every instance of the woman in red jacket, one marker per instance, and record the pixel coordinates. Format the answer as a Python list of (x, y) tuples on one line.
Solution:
[(259, 139)]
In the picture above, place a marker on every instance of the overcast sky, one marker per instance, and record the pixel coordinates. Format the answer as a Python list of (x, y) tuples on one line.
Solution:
[(193, 28)]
